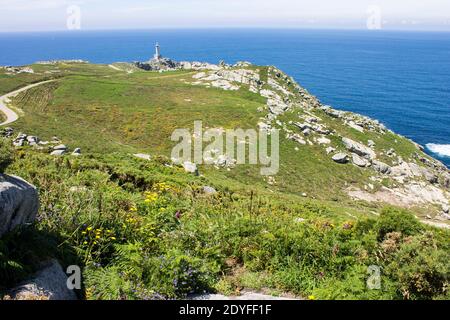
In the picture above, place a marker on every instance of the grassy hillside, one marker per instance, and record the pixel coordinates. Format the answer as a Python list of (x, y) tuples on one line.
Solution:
[(104, 110), (142, 230), (146, 230)]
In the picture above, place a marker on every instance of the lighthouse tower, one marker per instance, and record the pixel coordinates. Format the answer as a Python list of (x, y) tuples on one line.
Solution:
[(157, 52)]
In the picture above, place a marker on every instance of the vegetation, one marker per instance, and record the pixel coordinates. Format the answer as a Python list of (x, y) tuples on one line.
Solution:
[(146, 230), (142, 230), (103, 110), (6, 154)]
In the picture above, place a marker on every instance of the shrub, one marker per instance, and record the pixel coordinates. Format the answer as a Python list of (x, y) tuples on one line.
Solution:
[(419, 268), (6, 154), (397, 220)]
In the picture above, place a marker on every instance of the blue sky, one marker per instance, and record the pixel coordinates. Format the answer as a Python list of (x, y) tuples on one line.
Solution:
[(38, 15)]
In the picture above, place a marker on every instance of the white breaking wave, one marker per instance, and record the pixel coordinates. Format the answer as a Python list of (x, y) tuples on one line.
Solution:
[(440, 149)]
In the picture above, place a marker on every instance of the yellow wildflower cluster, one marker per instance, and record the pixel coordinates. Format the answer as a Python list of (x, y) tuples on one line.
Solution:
[(151, 197), (161, 187), (96, 236), (130, 221)]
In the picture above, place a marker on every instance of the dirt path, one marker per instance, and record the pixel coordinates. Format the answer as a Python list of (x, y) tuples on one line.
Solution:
[(11, 116)]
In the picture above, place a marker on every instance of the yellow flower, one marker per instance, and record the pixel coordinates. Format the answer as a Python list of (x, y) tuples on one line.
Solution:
[(84, 232), (151, 197), (97, 237), (311, 297), (89, 293), (89, 229), (85, 242), (113, 238)]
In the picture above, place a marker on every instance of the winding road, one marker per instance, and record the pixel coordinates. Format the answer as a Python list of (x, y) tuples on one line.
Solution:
[(11, 116)]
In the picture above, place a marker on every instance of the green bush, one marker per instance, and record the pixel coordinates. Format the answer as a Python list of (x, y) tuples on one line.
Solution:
[(397, 220), (419, 268), (6, 154)]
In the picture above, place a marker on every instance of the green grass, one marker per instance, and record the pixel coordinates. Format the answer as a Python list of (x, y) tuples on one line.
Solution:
[(103, 110), (250, 235), (94, 213)]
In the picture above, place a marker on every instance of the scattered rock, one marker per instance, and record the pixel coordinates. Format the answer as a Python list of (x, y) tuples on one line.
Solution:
[(330, 150), (295, 137), (60, 147), (359, 149), (32, 140), (19, 143), (225, 161), (19, 203), (340, 158), (446, 180), (143, 156), (209, 190), (445, 208), (358, 161), (430, 177), (59, 150), (271, 180), (353, 125), (323, 140), (190, 167), (444, 217), (7, 132), (18, 70), (76, 152), (381, 167), (391, 152), (58, 153)]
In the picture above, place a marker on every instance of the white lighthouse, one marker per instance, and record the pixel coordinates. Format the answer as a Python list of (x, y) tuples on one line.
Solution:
[(157, 52)]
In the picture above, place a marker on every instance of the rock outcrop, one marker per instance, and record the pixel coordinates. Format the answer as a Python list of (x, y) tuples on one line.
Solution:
[(358, 148), (50, 283), (19, 203)]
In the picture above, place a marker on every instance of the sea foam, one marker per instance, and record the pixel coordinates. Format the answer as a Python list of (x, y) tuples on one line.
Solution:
[(440, 149)]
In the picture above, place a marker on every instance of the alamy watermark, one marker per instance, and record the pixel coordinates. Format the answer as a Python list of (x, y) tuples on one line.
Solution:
[(73, 18), (74, 277), (219, 145), (374, 279), (374, 20)]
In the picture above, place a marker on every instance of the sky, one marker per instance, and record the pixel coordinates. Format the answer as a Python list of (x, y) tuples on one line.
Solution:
[(48, 15)]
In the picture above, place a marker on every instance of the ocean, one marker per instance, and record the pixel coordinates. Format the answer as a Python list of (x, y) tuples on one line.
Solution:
[(399, 78)]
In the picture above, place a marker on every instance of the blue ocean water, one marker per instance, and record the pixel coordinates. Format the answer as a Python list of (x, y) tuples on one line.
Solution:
[(400, 78)]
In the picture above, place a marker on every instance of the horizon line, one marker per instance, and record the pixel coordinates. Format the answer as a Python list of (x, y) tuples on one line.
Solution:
[(230, 28)]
